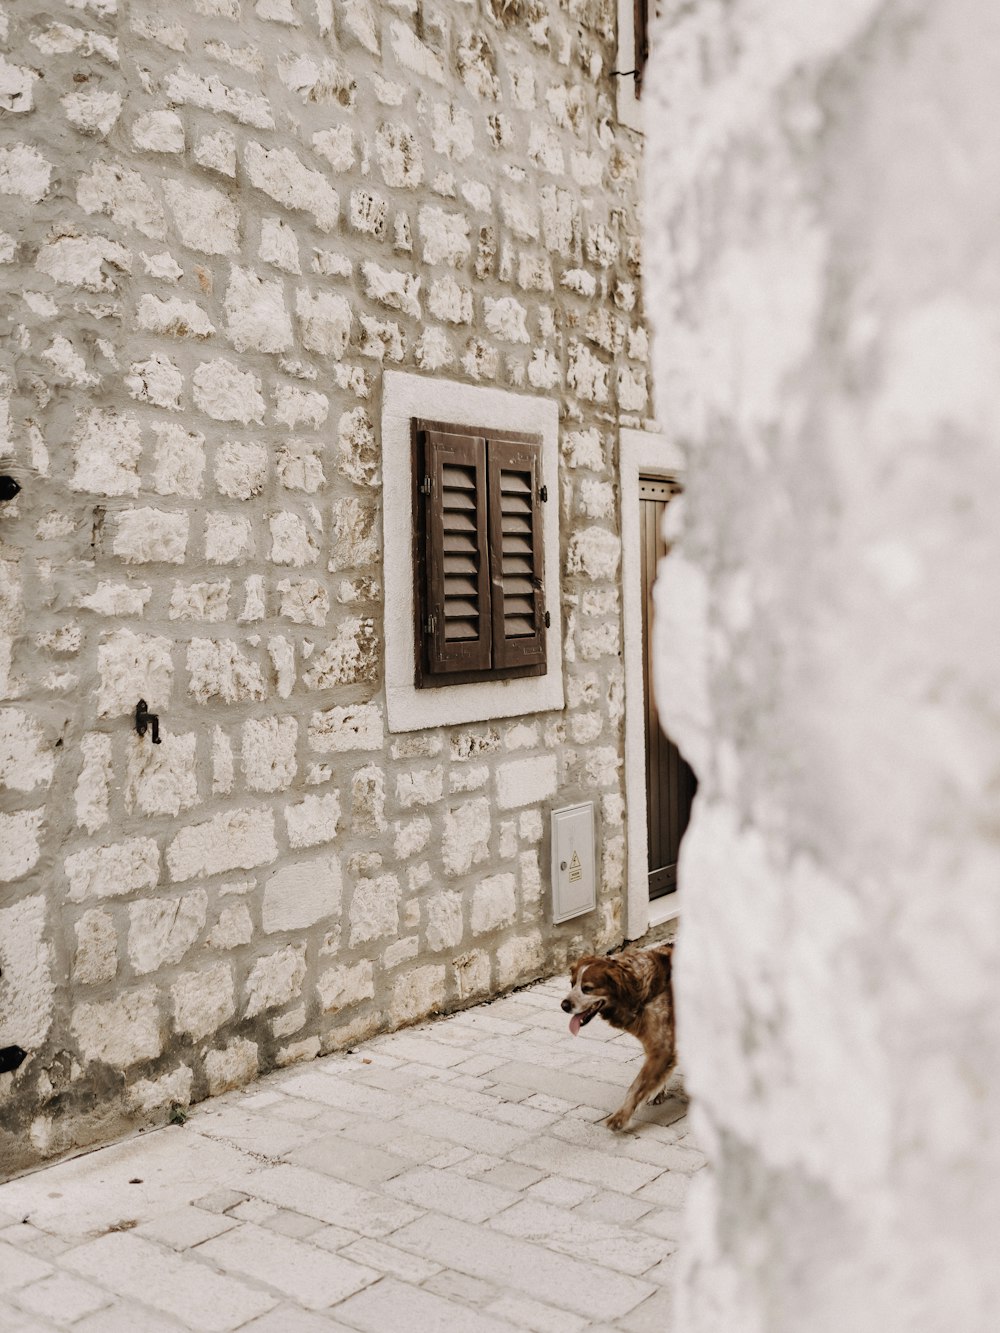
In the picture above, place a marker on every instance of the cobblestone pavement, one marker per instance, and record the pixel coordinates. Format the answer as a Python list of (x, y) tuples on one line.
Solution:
[(452, 1176)]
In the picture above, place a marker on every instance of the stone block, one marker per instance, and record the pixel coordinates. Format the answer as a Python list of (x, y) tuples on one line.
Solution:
[(203, 1001), (302, 894), (313, 820), (268, 752), (420, 786), (119, 1032), (411, 837), (418, 993), (206, 219), (231, 1067), (234, 839), (162, 930), (445, 926), (350, 658), (325, 322), (520, 959), (526, 781), (494, 903), (466, 838), (275, 979), (161, 779), (374, 911), (256, 317), (226, 393), (113, 871), (218, 669), (26, 967), (95, 958), (278, 173), (341, 987)]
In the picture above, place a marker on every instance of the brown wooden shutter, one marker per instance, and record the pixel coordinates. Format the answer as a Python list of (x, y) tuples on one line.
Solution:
[(456, 603), (516, 553)]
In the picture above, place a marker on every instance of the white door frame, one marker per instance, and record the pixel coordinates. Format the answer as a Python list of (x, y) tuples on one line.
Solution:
[(640, 453)]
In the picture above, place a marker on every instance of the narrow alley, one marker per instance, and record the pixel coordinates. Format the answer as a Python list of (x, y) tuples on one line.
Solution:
[(451, 1176)]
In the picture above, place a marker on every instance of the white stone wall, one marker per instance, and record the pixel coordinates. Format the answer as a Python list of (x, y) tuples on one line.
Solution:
[(220, 220), (824, 264)]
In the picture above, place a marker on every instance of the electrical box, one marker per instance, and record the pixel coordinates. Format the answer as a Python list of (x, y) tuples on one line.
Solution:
[(574, 883)]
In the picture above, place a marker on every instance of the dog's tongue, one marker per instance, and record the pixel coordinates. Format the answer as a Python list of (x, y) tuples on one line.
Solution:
[(575, 1024)]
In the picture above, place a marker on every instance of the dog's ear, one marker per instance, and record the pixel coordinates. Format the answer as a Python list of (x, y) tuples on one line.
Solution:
[(608, 976), (579, 965)]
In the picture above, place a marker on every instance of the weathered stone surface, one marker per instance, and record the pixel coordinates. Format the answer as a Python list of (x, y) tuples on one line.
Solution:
[(526, 781), (313, 821), (119, 1032), (299, 199), (301, 894), (339, 729), (374, 911), (114, 870), (232, 1066), (26, 966), (162, 930), (203, 1001), (418, 992), (234, 840), (341, 987), (96, 955), (444, 921), (494, 903), (275, 979), (268, 753), (466, 838)]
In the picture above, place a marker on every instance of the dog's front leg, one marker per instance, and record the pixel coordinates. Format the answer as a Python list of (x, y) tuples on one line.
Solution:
[(652, 1075)]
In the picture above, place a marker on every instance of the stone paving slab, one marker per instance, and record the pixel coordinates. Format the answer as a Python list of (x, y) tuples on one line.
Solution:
[(455, 1176)]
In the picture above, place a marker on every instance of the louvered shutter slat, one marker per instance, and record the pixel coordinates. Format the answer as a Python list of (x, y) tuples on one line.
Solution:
[(516, 553), (457, 591)]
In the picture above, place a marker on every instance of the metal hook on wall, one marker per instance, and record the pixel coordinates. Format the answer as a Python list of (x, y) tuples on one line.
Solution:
[(144, 718)]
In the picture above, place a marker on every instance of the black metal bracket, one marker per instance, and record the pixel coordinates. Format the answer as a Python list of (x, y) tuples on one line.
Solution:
[(11, 1058), (144, 718)]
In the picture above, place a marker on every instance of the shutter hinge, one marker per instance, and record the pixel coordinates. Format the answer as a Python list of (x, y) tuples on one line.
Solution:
[(543, 494), (427, 485), (430, 624), (548, 620)]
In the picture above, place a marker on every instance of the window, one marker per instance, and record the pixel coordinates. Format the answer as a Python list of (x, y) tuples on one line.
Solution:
[(479, 584), (520, 418)]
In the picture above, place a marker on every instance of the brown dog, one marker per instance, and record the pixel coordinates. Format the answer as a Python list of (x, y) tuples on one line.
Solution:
[(631, 990)]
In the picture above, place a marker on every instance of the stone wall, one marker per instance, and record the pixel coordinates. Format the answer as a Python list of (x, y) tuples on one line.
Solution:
[(825, 270), (221, 220)]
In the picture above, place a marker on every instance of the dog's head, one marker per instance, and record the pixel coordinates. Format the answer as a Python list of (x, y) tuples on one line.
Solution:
[(597, 983)]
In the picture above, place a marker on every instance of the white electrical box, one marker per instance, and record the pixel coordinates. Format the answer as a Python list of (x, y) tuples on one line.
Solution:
[(574, 883)]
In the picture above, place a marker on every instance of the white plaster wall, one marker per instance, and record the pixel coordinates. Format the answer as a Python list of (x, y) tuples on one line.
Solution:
[(824, 265)]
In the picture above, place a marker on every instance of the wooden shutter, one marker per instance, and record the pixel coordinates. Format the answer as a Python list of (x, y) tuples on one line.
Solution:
[(456, 604), (516, 554)]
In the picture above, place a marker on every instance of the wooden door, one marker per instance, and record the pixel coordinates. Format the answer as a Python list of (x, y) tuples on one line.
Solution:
[(670, 783)]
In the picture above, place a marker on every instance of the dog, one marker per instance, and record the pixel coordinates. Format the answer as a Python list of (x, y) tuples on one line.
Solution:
[(631, 990)]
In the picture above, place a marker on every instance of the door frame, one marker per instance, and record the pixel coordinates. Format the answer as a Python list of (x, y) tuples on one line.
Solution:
[(651, 455)]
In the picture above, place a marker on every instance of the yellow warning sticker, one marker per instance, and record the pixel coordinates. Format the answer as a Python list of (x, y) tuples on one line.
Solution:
[(575, 869)]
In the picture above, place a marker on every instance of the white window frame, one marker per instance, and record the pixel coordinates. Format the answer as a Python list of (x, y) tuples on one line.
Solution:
[(629, 106), (405, 396), (641, 453)]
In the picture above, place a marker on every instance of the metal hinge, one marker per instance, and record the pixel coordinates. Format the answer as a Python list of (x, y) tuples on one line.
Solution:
[(427, 485), (548, 620), (430, 624), (543, 494)]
